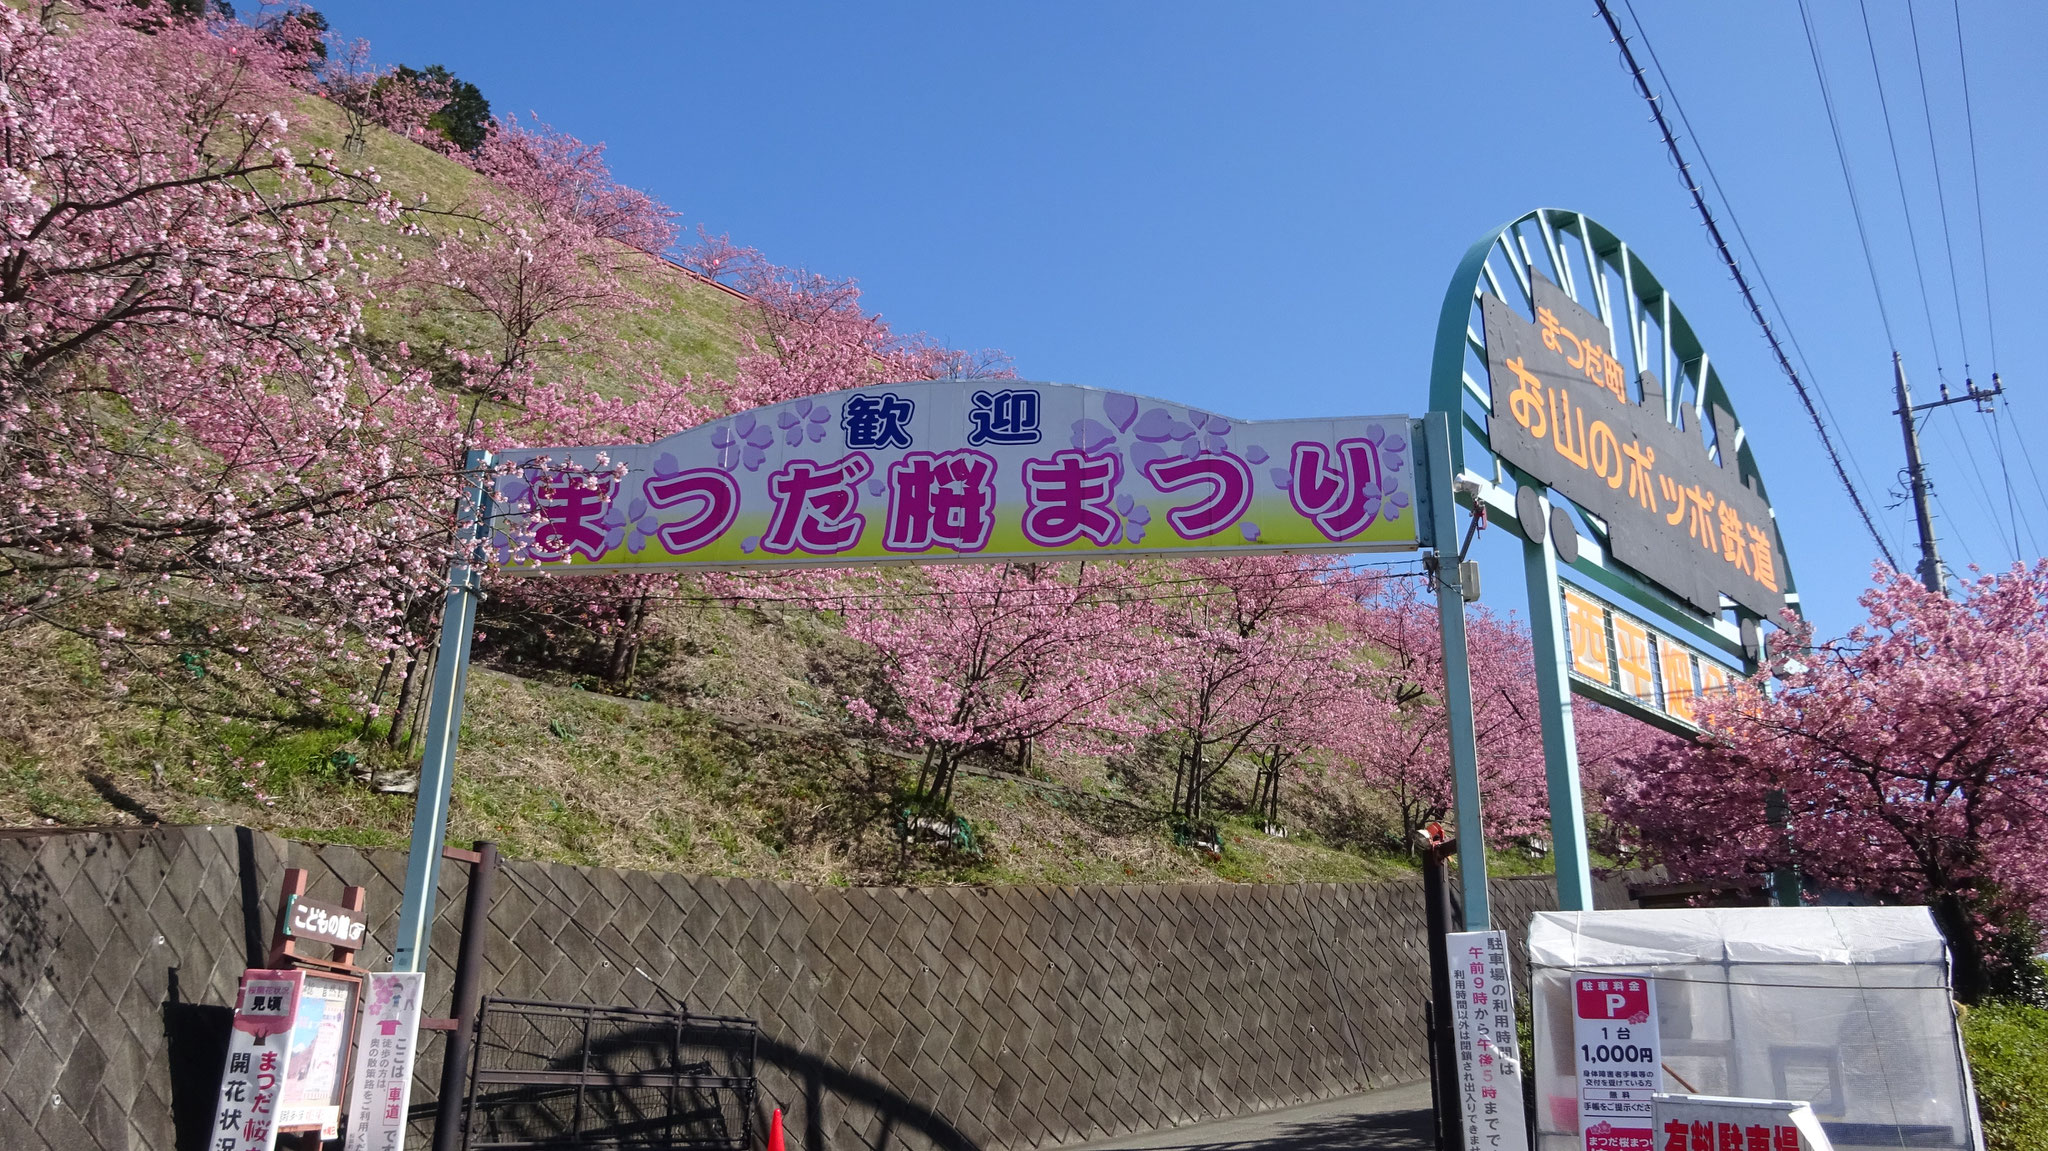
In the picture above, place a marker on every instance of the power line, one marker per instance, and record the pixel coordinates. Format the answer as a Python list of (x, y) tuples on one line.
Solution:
[(1741, 282), (2012, 509), (1827, 100), (2027, 453), (1922, 421), (1905, 205), (1970, 457), (1742, 237), (1977, 190), (1940, 190)]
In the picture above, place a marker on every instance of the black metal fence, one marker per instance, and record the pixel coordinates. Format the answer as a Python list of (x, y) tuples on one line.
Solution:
[(569, 1075)]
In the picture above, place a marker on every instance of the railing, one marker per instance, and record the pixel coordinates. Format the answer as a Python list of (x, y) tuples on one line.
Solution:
[(571, 1076)]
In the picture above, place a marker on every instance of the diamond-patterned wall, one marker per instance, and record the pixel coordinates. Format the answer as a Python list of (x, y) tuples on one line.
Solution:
[(957, 1017)]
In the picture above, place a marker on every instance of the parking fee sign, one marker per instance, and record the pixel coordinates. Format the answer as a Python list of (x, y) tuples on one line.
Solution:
[(1619, 1063)]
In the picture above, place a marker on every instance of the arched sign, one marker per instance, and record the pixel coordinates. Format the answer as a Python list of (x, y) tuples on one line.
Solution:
[(1592, 423)]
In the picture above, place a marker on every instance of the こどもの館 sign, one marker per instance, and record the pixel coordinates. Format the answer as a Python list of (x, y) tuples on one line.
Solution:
[(942, 470)]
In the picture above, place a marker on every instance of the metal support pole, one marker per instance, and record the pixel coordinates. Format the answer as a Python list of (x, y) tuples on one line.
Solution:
[(1450, 613), (1443, 1042), (1554, 700), (444, 725), (1933, 576), (476, 920)]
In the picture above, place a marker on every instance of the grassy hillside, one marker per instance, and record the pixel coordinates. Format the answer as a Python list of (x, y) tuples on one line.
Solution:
[(728, 753)]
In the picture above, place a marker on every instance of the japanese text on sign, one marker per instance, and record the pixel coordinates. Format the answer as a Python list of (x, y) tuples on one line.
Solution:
[(381, 1088), (1610, 649), (1483, 1023), (1714, 1123), (937, 469), (1620, 1067), (308, 919), (252, 1081), (1562, 412)]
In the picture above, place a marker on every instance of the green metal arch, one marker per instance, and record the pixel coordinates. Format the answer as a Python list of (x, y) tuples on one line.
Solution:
[(1607, 277)]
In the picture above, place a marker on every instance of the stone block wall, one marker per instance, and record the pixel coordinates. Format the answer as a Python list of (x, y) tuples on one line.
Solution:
[(958, 1018)]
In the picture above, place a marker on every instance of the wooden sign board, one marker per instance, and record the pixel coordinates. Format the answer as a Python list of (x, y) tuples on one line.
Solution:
[(314, 921)]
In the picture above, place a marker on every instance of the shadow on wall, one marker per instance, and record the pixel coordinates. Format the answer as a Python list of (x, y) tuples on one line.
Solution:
[(196, 1043), (535, 1112), (820, 1078)]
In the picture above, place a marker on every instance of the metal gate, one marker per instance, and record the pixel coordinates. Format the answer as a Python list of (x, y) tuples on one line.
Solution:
[(570, 1075)]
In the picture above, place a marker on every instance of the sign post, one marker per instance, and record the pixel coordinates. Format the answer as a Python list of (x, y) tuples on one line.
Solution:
[(1554, 704), (932, 471), (1450, 613), (444, 728), (1591, 422)]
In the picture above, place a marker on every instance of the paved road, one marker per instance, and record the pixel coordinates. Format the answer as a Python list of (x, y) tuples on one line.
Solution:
[(1394, 1119)]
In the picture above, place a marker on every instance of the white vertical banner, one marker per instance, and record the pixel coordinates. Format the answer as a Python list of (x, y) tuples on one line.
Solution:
[(245, 1118), (1620, 1065), (1483, 1022), (381, 1088)]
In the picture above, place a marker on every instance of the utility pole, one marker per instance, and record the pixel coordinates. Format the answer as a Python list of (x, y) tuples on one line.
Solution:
[(1932, 574)]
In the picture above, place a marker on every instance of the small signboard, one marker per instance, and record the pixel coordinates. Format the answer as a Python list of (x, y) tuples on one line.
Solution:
[(382, 1084), (1619, 1060), (1489, 1059), (310, 919), (310, 1096), (252, 1082), (1611, 651), (1716, 1123)]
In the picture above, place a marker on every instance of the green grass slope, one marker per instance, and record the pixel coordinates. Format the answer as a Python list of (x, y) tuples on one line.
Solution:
[(727, 754)]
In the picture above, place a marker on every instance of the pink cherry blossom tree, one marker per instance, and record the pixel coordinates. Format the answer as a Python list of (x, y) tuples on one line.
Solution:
[(1403, 751), (541, 254), (1907, 760), (367, 94), (975, 658), (1244, 650), (186, 429)]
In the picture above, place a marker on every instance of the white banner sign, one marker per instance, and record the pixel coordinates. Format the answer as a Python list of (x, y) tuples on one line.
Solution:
[(1714, 1123), (1620, 1065), (382, 1086), (987, 469), (1489, 1060), (246, 1117)]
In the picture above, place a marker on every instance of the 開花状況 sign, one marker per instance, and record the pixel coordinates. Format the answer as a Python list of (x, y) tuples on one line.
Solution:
[(1562, 412), (949, 469), (252, 1085)]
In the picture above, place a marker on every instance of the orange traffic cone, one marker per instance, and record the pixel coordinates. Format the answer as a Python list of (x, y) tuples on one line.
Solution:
[(775, 1132)]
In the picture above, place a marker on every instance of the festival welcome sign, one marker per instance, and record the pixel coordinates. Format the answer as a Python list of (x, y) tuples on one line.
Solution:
[(943, 469)]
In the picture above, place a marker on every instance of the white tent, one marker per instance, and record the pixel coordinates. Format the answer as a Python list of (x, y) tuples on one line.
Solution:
[(1846, 1007)]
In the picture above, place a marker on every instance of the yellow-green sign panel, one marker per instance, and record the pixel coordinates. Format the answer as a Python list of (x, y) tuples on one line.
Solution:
[(993, 469)]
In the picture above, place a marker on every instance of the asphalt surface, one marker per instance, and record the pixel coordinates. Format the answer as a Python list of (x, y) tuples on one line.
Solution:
[(1396, 1119)]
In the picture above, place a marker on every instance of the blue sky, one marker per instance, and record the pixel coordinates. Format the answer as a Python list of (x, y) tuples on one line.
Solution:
[(1257, 208)]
